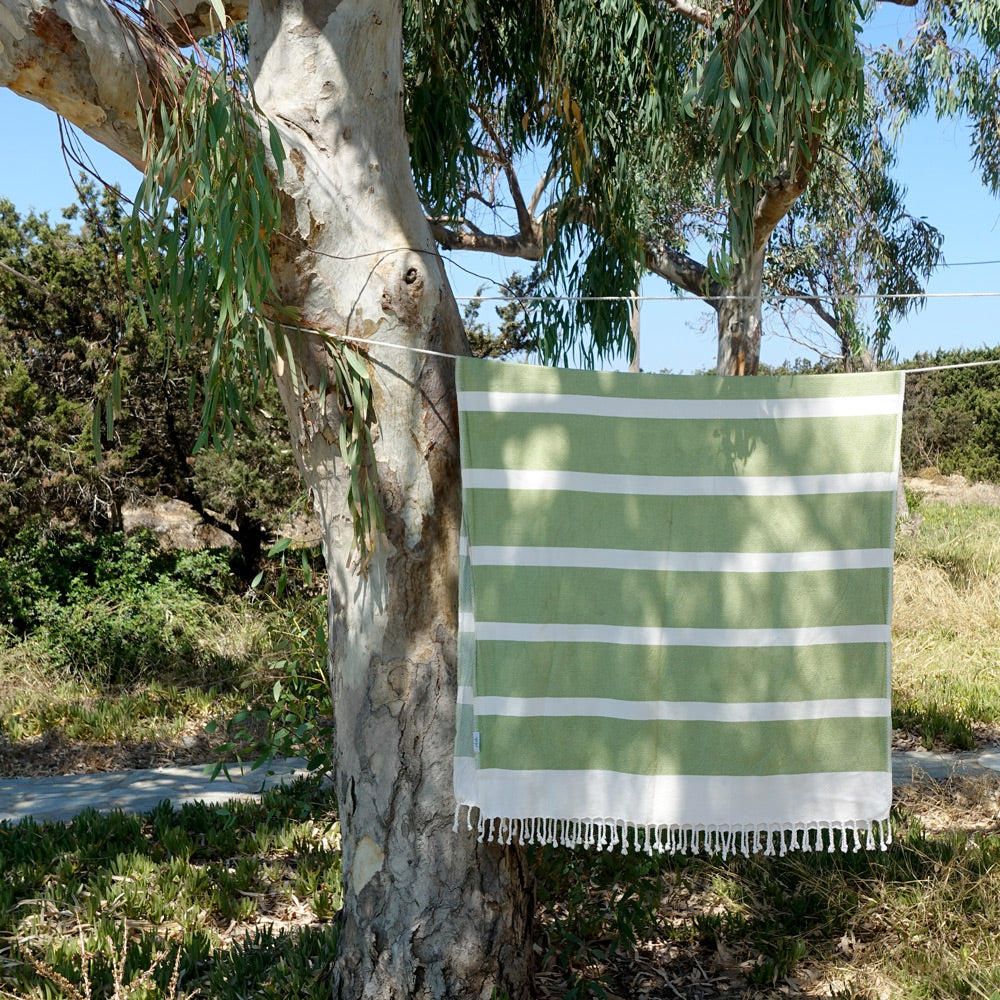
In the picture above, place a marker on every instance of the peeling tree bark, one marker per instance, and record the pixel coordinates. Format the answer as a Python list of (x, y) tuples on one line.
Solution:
[(427, 913), (74, 57)]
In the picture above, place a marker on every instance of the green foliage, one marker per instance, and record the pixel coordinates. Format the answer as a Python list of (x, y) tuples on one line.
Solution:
[(650, 128), (55, 334), (277, 965), (514, 335), (774, 79), (180, 876), (950, 65), (198, 244), (109, 608), (296, 716), (595, 904), (935, 724), (54, 351), (197, 240), (951, 419), (589, 89)]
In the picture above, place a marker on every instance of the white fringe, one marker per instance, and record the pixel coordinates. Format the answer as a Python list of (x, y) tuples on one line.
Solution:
[(611, 834)]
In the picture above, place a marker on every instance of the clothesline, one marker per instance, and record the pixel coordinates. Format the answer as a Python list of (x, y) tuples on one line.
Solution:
[(723, 297), (450, 354), (618, 298)]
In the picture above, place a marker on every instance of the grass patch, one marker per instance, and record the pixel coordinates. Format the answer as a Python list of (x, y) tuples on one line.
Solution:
[(946, 626), (107, 643), (916, 922), (243, 900), (245, 893)]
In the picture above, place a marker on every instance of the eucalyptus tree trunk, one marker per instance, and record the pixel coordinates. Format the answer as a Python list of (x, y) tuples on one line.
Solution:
[(739, 319), (427, 913)]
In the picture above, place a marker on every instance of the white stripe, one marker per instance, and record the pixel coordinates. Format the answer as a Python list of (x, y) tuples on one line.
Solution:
[(466, 621), (678, 409), (463, 546), (678, 486), (682, 711), (466, 694), (637, 635), (680, 562), (689, 800)]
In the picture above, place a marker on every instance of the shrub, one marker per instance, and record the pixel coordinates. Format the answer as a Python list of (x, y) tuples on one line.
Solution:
[(110, 608), (951, 418)]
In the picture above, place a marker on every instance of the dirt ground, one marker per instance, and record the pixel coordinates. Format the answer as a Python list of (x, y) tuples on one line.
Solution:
[(953, 489)]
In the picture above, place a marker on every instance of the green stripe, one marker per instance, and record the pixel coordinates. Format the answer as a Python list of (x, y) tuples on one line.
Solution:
[(475, 375), (690, 448), (580, 744), (682, 524), (681, 673), (681, 600)]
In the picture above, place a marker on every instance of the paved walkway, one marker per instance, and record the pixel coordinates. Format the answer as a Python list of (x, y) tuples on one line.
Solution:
[(908, 765), (63, 796)]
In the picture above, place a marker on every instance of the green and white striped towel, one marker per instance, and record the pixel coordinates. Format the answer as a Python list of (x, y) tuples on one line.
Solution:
[(675, 597)]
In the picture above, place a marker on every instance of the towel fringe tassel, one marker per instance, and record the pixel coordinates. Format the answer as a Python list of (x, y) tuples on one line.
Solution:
[(771, 839)]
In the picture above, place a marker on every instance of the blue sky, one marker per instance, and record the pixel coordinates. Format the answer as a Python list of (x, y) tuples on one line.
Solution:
[(934, 164)]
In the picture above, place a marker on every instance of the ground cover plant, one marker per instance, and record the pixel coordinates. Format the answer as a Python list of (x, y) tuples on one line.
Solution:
[(246, 894), (913, 922), (244, 900)]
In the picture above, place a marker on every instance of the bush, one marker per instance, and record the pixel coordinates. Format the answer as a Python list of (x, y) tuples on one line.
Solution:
[(110, 608), (951, 419)]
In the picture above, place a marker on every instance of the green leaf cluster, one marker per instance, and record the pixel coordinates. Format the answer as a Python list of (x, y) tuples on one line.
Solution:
[(951, 419), (198, 245), (585, 90), (109, 609), (950, 65), (774, 79), (197, 242)]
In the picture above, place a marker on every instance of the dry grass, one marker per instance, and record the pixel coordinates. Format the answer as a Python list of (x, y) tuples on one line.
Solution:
[(929, 598), (141, 985), (55, 721), (946, 626)]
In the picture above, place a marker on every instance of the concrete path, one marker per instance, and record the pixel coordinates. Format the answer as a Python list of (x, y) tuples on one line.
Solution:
[(910, 765), (63, 796)]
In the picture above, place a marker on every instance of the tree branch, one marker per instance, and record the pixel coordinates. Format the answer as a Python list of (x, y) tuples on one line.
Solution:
[(692, 12), (779, 195), (832, 321), (503, 158), (186, 21), (679, 269), (543, 183), (522, 245), (83, 60)]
